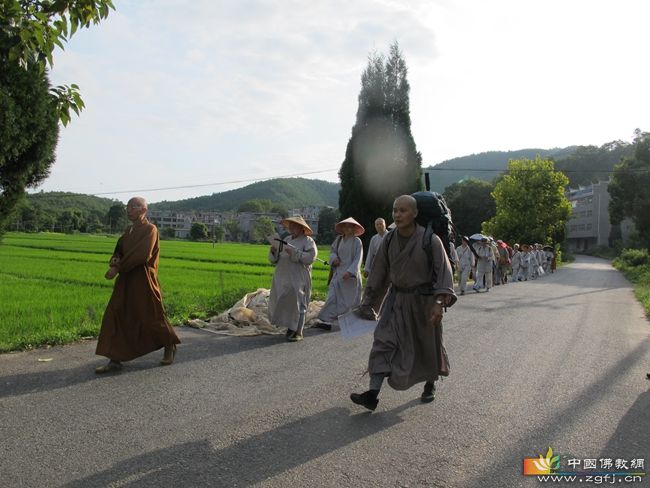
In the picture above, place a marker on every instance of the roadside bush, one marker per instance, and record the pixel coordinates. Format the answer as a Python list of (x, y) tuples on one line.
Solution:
[(634, 257)]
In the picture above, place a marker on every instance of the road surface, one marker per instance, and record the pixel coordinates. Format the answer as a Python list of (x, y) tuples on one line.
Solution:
[(559, 362)]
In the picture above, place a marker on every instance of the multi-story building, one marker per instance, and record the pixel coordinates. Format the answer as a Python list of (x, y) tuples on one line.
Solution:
[(589, 224), (311, 214), (182, 222)]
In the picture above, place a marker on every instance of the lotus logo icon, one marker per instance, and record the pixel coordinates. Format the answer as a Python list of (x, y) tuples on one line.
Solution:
[(548, 464)]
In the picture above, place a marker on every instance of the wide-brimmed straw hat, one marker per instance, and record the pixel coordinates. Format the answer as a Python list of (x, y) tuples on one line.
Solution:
[(297, 219), (359, 230)]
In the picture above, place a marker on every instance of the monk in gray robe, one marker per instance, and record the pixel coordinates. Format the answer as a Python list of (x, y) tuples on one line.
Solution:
[(407, 347), (344, 292), (291, 286), (373, 247), (134, 323)]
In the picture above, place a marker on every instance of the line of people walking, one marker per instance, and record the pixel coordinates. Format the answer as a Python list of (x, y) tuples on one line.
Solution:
[(493, 262)]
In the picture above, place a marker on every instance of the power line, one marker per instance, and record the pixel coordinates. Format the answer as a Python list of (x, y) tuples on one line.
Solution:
[(505, 170), (203, 185), (293, 175)]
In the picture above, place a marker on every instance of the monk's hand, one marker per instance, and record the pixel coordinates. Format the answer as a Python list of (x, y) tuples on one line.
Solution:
[(436, 313), (347, 275), (447, 300), (111, 273), (366, 312), (336, 261), (288, 250)]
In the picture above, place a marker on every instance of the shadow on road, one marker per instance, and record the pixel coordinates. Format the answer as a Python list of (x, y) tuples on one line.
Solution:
[(632, 437), (251, 460), (506, 468), (196, 347)]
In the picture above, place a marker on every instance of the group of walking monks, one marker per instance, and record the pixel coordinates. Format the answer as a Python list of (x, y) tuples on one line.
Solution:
[(406, 290)]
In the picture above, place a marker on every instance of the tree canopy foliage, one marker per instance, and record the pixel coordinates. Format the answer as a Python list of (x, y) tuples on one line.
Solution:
[(327, 218), (262, 227), (591, 164), (50, 211), (471, 203), (198, 231), (531, 206), (29, 108), (28, 133), (629, 186), (30, 30), (381, 159)]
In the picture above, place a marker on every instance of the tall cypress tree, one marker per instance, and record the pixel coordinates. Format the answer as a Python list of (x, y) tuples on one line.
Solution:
[(381, 159)]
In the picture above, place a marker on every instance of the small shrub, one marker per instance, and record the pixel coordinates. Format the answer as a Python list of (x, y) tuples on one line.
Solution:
[(634, 257)]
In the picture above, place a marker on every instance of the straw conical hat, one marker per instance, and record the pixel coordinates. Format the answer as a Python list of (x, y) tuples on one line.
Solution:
[(359, 230), (297, 219)]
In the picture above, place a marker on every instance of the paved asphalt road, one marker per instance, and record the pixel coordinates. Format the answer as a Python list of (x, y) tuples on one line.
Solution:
[(557, 362)]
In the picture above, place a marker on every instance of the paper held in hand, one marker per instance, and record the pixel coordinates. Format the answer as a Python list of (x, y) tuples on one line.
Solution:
[(354, 326)]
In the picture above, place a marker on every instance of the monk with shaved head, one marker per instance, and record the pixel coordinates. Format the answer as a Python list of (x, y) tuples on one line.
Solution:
[(134, 323), (407, 347)]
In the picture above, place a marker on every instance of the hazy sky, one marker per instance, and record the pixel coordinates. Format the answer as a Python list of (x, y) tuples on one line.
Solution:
[(212, 92)]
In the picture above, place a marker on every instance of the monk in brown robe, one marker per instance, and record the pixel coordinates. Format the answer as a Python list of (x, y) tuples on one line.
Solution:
[(134, 323), (407, 346)]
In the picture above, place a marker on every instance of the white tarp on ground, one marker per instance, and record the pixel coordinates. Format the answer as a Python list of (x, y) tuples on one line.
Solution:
[(250, 317)]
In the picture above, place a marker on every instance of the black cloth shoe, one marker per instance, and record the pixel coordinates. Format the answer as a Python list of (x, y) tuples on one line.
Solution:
[(288, 334), (429, 392), (366, 399), (294, 337), (323, 325)]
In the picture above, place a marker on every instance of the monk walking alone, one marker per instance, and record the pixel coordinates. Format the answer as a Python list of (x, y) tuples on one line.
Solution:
[(134, 323), (407, 347)]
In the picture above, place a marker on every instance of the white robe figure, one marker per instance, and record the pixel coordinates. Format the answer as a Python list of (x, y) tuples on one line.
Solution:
[(524, 264), (291, 286), (532, 269), (343, 295), (466, 262), (373, 247), (484, 266), (516, 256)]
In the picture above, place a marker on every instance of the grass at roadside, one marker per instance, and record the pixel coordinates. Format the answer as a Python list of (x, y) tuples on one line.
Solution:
[(635, 266), (52, 288)]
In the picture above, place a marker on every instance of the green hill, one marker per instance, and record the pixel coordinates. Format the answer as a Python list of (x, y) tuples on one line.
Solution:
[(484, 166), (286, 192), (55, 201), (582, 164)]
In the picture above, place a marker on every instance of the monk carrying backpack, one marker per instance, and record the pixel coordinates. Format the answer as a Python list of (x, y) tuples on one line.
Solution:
[(435, 217)]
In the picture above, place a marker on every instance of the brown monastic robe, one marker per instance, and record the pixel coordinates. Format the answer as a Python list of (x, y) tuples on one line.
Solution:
[(134, 323), (407, 347)]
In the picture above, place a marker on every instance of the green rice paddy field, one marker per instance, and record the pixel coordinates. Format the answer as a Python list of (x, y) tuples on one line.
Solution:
[(53, 291)]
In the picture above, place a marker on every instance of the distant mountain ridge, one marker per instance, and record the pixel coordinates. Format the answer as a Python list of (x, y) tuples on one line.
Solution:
[(582, 165), (287, 192), (485, 166)]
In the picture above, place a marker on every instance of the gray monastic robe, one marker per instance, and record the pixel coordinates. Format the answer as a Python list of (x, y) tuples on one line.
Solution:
[(373, 247), (291, 286), (344, 295), (407, 347)]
